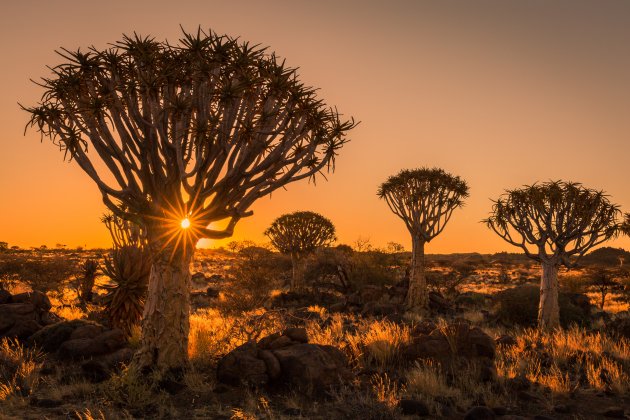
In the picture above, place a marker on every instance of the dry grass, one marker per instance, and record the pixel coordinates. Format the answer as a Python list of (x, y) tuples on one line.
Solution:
[(560, 359), (19, 368)]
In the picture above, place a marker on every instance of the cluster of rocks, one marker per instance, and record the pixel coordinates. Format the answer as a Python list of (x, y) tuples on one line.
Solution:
[(97, 349), (287, 358), (23, 314), (453, 345)]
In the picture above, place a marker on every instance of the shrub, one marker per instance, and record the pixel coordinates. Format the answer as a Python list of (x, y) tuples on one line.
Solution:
[(519, 305), (253, 276), (43, 273)]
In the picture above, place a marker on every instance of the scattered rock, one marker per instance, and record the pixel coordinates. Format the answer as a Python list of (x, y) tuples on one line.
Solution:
[(458, 340), (527, 396), (212, 292), (413, 407), (296, 334), (242, 366), (480, 413), (284, 358), (5, 297)]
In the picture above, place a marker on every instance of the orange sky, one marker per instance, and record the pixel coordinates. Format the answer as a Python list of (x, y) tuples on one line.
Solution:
[(500, 93)]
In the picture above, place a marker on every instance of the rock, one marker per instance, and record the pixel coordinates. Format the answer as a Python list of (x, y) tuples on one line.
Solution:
[(264, 342), (614, 412), (37, 299), (19, 320), (212, 292), (439, 304), (199, 278), (280, 342), (5, 297), (242, 366), (413, 407), (519, 383), (86, 331), (468, 343), (23, 330), (480, 413), (543, 417), (271, 362), (296, 334), (312, 367), (506, 340), (51, 337)]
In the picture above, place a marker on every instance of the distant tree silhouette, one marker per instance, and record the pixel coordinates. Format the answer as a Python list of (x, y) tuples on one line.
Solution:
[(555, 223), (199, 131), (605, 280), (424, 199), (4, 246), (300, 233)]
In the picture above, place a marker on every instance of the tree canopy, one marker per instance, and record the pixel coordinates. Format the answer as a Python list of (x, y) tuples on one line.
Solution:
[(197, 129), (554, 220), (301, 232), (424, 199)]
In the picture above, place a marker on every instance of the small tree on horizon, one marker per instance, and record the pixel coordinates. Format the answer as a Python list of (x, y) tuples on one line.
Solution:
[(424, 199), (177, 137), (297, 234), (555, 223)]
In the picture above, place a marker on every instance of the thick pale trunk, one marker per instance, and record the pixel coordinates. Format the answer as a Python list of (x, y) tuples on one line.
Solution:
[(549, 309), (296, 275), (165, 322), (417, 296)]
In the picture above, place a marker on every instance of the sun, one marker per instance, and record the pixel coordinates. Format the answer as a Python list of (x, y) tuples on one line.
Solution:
[(185, 223)]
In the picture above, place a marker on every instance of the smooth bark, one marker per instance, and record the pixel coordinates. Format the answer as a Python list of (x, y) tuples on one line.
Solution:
[(417, 296), (549, 309)]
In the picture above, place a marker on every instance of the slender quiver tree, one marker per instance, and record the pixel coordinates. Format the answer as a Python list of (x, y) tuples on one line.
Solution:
[(424, 199), (182, 136), (299, 233), (555, 223)]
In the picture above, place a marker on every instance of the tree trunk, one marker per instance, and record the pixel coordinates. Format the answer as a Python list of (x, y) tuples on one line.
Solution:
[(417, 296), (549, 309), (165, 322), (296, 275)]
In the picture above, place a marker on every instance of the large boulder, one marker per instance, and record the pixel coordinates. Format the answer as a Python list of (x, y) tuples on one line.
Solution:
[(285, 358), (311, 367), (50, 338), (23, 314), (452, 343)]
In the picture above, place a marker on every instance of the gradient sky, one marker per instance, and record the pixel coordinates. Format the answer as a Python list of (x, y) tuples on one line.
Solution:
[(502, 93)]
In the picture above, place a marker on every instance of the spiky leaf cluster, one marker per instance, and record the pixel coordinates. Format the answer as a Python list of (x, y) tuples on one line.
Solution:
[(223, 121), (555, 221), (301, 232), (424, 199), (128, 269)]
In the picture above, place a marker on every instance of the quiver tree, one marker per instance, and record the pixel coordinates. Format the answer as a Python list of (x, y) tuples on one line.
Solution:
[(300, 233), (181, 136), (555, 223), (424, 199)]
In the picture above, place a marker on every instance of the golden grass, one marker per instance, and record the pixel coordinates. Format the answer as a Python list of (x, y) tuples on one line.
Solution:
[(18, 369)]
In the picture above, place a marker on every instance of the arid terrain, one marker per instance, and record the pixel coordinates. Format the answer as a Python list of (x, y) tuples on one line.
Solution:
[(340, 348)]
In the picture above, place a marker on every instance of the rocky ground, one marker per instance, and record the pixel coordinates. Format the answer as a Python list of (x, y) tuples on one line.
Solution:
[(342, 348)]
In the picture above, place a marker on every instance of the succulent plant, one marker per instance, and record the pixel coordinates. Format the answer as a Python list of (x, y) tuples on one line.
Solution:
[(128, 269)]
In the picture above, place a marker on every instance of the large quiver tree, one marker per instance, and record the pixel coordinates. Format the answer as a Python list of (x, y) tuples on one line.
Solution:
[(198, 130), (554, 223), (299, 233), (424, 199)]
